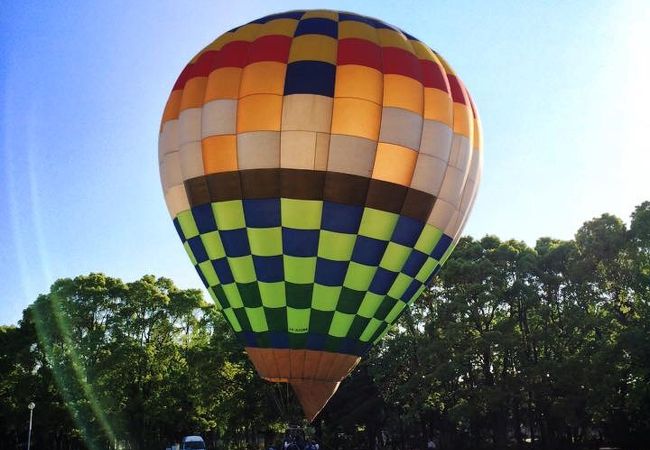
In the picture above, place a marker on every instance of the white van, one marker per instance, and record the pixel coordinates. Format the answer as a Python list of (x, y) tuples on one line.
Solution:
[(193, 443)]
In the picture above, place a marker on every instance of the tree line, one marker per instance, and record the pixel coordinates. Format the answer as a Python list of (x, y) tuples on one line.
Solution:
[(544, 347)]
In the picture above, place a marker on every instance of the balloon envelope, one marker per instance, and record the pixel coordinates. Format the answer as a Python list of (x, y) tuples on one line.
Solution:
[(318, 167)]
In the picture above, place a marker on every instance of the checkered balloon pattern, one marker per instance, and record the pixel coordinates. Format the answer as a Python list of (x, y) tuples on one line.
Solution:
[(319, 167)]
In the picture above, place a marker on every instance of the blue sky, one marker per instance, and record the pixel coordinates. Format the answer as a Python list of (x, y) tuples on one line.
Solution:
[(562, 89)]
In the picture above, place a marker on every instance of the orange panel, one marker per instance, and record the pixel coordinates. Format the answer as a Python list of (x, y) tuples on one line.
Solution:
[(193, 93), (265, 77), (355, 117), (223, 83), (172, 107), (219, 153), (463, 120), (359, 82), (260, 112), (403, 92), (394, 163), (437, 106)]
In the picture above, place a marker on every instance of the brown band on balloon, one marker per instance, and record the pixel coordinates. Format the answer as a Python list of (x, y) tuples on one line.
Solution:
[(386, 196), (310, 185), (345, 188), (302, 184)]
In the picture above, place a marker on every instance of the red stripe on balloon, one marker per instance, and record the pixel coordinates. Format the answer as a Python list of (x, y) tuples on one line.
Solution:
[(359, 51), (270, 48)]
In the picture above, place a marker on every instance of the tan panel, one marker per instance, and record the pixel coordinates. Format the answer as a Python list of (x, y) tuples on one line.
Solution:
[(359, 82), (356, 117), (452, 186), (350, 154), (191, 156), (429, 174), (394, 163), (258, 150), (223, 83), (460, 152), (307, 112), (259, 112), (219, 117), (436, 139), (403, 92), (176, 199), (401, 127), (265, 77), (454, 223), (322, 151), (313, 47), (298, 149), (189, 126), (441, 214), (168, 140), (171, 166), (297, 364)]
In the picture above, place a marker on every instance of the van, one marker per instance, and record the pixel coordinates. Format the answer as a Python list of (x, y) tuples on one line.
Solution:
[(193, 443)]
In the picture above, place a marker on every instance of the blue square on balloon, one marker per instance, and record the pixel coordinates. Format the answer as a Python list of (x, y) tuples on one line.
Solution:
[(262, 213), (441, 247), (316, 341), (407, 231), (269, 269), (179, 230), (299, 242), (198, 249), (279, 339), (348, 346), (249, 338), (414, 263), (382, 281), (341, 218), (330, 273), (411, 290), (203, 280), (317, 25), (368, 251), (235, 242), (204, 218), (310, 77), (222, 268)]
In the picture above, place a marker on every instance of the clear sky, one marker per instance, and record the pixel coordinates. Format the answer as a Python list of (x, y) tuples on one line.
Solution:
[(562, 88)]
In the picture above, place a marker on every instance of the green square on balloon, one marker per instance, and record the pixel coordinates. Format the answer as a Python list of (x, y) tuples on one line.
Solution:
[(340, 324), (213, 245), (229, 215), (265, 241), (257, 319), (395, 257), (336, 246), (189, 252), (428, 239), (400, 285), (378, 224), (232, 295), (370, 304), (370, 330), (188, 226), (242, 268), (232, 319), (273, 294), (359, 276), (298, 320), (210, 275), (298, 269), (301, 214), (426, 270), (325, 298)]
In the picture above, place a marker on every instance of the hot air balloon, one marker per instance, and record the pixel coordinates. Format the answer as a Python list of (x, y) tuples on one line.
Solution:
[(318, 167)]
